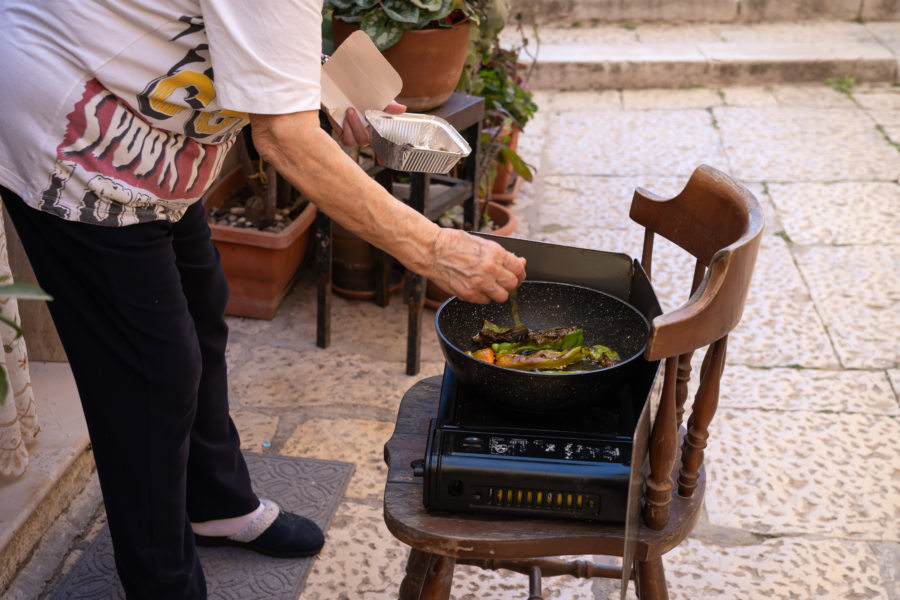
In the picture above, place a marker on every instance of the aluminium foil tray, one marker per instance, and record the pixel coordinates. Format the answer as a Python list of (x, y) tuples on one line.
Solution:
[(416, 143)]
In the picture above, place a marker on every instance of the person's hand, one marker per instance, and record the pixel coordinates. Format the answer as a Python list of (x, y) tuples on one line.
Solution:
[(354, 132), (473, 268)]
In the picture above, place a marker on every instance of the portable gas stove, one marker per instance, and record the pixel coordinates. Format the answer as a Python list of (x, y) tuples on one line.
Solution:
[(576, 464), (485, 458)]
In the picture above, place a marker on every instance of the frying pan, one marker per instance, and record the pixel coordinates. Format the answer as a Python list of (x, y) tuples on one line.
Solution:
[(605, 319)]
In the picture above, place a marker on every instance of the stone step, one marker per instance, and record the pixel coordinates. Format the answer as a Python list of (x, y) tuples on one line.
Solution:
[(587, 12), (60, 466), (651, 56)]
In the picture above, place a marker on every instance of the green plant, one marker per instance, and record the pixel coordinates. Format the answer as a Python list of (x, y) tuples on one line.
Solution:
[(497, 153), (498, 84), (386, 20), (844, 85), (496, 74), (508, 103), (21, 291)]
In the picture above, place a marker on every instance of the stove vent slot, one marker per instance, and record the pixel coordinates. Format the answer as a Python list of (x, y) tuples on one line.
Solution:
[(563, 500)]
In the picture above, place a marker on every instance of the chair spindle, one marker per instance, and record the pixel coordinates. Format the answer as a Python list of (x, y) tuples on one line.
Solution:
[(705, 403), (663, 446)]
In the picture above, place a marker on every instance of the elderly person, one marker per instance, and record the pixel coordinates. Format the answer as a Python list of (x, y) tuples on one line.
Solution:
[(116, 118)]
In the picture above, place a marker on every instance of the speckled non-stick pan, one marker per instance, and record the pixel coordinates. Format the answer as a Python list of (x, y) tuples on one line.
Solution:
[(605, 319)]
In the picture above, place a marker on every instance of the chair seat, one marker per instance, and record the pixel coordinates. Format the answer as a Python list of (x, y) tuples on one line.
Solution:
[(472, 535)]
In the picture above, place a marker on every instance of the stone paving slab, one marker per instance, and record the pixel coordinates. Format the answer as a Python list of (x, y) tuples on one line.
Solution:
[(803, 144), (814, 390), (826, 474), (839, 213), (857, 292), (805, 96), (360, 560), (785, 568), (281, 377), (356, 440), (781, 325), (894, 376), (697, 97), (632, 143)]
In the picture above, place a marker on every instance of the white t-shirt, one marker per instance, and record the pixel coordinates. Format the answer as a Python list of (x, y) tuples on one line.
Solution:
[(115, 113)]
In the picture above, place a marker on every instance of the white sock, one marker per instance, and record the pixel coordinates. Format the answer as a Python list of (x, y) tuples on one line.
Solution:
[(235, 525)]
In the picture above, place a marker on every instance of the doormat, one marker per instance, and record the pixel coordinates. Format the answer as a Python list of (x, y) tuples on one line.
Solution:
[(309, 487)]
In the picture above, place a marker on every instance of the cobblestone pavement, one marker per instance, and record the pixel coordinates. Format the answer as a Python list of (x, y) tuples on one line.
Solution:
[(803, 499)]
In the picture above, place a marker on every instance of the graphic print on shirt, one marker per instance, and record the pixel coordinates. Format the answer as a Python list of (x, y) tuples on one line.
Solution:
[(190, 80), (149, 161)]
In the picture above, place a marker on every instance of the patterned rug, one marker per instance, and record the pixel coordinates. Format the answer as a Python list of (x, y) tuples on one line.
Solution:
[(309, 487)]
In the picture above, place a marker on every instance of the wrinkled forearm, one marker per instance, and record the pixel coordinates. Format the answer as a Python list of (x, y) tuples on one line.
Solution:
[(316, 165)]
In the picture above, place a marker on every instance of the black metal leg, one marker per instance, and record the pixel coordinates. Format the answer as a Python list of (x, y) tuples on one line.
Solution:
[(382, 260), (415, 284), (323, 280), (472, 173)]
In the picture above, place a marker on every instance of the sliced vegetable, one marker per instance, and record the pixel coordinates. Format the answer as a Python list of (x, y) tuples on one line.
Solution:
[(602, 354), (558, 337), (572, 339), (485, 354), (491, 334), (542, 359)]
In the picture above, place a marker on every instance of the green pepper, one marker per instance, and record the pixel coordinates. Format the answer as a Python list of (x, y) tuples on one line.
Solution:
[(602, 354), (493, 333), (570, 340), (494, 327), (542, 359)]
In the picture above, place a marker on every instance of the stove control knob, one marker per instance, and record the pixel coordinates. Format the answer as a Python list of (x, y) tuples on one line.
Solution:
[(472, 444)]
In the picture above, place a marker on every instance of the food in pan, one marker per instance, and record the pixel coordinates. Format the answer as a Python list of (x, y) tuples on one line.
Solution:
[(555, 350)]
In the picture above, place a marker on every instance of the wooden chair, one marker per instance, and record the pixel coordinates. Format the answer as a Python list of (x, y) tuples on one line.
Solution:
[(718, 222)]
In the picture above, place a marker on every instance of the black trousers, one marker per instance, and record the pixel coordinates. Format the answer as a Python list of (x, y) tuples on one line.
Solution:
[(140, 312)]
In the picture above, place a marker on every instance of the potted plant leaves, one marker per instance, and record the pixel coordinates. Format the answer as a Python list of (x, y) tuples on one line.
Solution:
[(510, 106)]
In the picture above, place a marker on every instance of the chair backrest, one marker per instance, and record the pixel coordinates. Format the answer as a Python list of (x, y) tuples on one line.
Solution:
[(720, 223)]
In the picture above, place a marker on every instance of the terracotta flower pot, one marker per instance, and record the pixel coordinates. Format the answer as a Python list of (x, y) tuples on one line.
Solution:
[(429, 61), (506, 223), (259, 265)]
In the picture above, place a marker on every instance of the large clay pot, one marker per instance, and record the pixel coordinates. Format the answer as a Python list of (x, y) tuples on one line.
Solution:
[(260, 266), (429, 61)]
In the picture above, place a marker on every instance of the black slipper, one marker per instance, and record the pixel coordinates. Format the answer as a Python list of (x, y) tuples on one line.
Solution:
[(289, 536)]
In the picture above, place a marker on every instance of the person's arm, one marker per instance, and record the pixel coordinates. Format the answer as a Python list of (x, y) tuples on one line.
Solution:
[(472, 268)]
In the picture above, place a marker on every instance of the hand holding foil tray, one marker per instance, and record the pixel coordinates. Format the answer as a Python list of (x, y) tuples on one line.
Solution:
[(416, 143)]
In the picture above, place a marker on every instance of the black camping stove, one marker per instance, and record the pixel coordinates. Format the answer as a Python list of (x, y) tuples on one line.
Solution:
[(484, 457)]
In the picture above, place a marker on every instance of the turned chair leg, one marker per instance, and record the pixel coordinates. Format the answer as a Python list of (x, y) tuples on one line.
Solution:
[(650, 580), (428, 577)]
